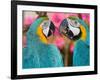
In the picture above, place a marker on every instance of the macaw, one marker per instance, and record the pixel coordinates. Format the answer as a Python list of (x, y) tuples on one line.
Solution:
[(81, 55), (78, 31), (37, 53)]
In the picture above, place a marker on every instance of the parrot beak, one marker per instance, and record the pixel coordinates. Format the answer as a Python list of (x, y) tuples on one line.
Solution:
[(41, 35)]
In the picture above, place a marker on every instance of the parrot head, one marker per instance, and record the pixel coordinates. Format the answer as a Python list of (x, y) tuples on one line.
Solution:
[(45, 29), (72, 28)]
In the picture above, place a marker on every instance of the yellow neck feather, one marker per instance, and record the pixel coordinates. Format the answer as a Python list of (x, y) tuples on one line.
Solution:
[(83, 36), (40, 34)]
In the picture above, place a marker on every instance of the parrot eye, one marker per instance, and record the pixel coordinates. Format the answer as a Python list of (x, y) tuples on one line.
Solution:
[(73, 23), (46, 24), (76, 24)]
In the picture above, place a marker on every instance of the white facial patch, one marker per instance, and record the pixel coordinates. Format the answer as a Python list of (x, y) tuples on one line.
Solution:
[(75, 31), (46, 27), (73, 23)]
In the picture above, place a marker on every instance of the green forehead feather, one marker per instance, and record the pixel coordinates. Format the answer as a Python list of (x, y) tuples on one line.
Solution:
[(45, 18), (73, 17)]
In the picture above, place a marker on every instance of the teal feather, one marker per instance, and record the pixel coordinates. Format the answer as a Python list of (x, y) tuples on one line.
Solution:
[(81, 53), (38, 54), (81, 56)]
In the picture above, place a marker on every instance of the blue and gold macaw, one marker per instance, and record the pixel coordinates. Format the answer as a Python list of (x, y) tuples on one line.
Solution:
[(78, 31), (81, 55), (37, 53)]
